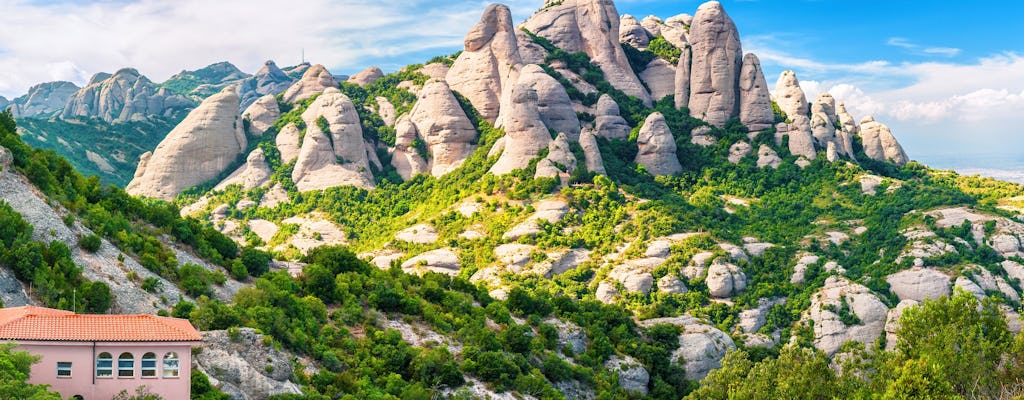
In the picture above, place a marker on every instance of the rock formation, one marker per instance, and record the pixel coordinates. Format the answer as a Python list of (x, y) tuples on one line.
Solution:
[(366, 76), (262, 114), (590, 26), (608, 123), (288, 143), (632, 33), (829, 330), (717, 60), (880, 144), (43, 100), (674, 30), (124, 96), (766, 157), (755, 102), (801, 140), (789, 96), (255, 173), (593, 162), (660, 77), (739, 150), (725, 279), (445, 128), (488, 67), (683, 77), (847, 130), (406, 158), (200, 148), (657, 147), (337, 157), (560, 162), (553, 102), (314, 81), (823, 119), (268, 80), (525, 133)]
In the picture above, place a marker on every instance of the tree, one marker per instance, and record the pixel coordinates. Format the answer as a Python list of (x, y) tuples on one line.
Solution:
[(14, 372)]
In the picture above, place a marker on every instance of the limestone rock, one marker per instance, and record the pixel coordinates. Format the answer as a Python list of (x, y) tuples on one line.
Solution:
[(657, 147), (725, 280), (487, 68), (406, 158), (255, 173), (288, 143), (848, 128), (801, 139), (790, 96), (442, 261), (755, 102), (919, 284), (200, 148), (43, 100), (386, 111), (124, 96), (525, 132), (608, 122), (366, 76), (553, 103), (766, 157), (880, 144), (701, 346), (633, 377), (683, 69), (632, 33), (829, 330), (240, 363), (337, 157), (592, 153), (313, 81), (717, 60), (590, 26), (419, 234), (268, 80), (530, 51), (738, 151), (660, 77), (262, 114), (606, 292), (701, 136), (560, 162), (633, 279), (445, 128), (892, 322), (671, 284)]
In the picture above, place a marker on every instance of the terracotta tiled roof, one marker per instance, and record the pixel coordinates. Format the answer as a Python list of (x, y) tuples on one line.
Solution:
[(39, 323)]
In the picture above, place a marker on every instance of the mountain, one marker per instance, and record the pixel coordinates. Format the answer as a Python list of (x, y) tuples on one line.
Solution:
[(124, 96), (586, 205), (43, 100)]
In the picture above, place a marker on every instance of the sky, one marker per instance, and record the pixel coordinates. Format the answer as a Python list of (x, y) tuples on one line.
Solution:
[(946, 76)]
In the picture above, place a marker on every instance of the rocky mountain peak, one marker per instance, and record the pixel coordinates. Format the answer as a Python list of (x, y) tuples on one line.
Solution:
[(43, 100), (313, 81), (488, 66), (124, 96), (717, 60)]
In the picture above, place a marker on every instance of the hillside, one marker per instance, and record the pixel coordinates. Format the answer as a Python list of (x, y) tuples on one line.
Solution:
[(585, 205)]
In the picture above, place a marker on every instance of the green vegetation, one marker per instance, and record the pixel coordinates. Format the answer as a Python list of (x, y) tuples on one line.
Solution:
[(14, 372)]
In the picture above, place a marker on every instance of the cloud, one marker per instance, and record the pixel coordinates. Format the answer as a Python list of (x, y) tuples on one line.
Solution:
[(922, 50), (71, 40)]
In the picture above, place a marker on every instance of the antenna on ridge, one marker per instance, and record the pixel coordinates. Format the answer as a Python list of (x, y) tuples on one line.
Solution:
[(303, 55)]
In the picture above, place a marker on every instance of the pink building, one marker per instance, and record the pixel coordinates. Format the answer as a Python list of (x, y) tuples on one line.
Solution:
[(94, 357)]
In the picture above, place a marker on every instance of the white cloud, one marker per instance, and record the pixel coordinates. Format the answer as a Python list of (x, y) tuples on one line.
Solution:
[(922, 50)]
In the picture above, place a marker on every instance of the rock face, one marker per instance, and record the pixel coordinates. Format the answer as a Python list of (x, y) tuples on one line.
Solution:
[(314, 81), (717, 60), (406, 158), (336, 157), (632, 33), (790, 96), (262, 114), (755, 102), (919, 284), (880, 144), (739, 150), (801, 139), (657, 147), (200, 148), (829, 330), (442, 261), (553, 102), (725, 279), (268, 80), (288, 143), (766, 157), (593, 162), (560, 162), (124, 96), (488, 67), (255, 173), (43, 100), (701, 346), (242, 366), (847, 129), (609, 123), (660, 77), (633, 377), (525, 133), (366, 76), (683, 77), (441, 123), (590, 26)]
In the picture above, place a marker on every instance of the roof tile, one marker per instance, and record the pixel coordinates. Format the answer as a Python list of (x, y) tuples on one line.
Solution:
[(40, 323)]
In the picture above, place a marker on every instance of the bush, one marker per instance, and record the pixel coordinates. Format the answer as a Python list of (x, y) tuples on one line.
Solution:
[(90, 243)]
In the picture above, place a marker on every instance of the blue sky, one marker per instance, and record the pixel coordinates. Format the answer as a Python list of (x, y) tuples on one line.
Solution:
[(947, 76)]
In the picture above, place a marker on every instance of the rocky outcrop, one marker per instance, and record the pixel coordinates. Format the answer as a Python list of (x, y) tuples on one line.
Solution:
[(262, 114), (243, 366), (801, 139), (847, 130), (827, 304), (766, 157), (660, 77), (683, 77), (525, 133), (880, 144), (199, 149), (919, 284), (553, 103), (337, 157), (633, 377), (739, 150), (701, 346), (717, 60), (559, 163), (609, 123), (590, 26), (632, 33), (288, 143), (4, 103), (725, 279), (313, 81), (488, 66), (592, 153), (755, 102), (124, 96), (445, 128), (657, 147), (268, 80), (789, 96), (675, 28), (366, 76), (255, 173), (43, 100), (442, 261), (386, 111), (406, 158)]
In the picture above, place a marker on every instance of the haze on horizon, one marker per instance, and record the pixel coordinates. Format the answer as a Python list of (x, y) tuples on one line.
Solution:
[(947, 77)]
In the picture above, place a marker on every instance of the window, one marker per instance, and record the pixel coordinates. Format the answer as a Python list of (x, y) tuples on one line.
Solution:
[(63, 369), (104, 365), (171, 365), (149, 365), (125, 365)]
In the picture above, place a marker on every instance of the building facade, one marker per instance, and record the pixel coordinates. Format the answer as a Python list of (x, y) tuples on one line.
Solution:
[(95, 357)]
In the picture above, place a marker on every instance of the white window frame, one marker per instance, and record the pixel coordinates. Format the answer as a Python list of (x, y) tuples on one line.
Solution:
[(149, 371), (62, 368), (171, 365), (126, 372), (108, 370)]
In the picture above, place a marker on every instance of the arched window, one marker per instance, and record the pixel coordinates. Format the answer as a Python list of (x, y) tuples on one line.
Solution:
[(125, 365), (149, 365), (171, 365), (104, 365)]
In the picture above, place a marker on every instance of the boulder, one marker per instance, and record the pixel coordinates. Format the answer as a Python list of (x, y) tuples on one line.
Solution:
[(366, 76), (725, 279), (632, 278), (738, 151), (701, 346), (683, 69), (660, 77), (880, 144), (592, 153), (255, 173), (288, 143), (525, 132), (553, 103), (406, 158), (657, 147), (632, 33), (242, 364), (892, 322), (801, 139), (830, 332), (701, 136), (671, 284), (717, 60), (442, 261), (633, 377), (313, 81), (488, 66), (444, 126), (199, 149), (608, 122), (606, 292), (822, 129), (590, 26), (755, 102), (766, 157), (789, 96), (560, 162), (262, 114), (919, 284), (651, 24)]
